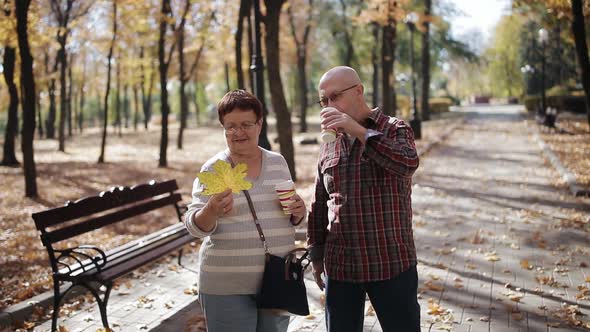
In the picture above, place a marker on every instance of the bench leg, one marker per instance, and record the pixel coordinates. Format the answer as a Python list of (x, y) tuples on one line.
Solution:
[(56, 300), (180, 256), (57, 297), (102, 303)]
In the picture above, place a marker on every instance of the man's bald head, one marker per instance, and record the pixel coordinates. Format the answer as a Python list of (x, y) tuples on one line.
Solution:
[(344, 75), (341, 87)]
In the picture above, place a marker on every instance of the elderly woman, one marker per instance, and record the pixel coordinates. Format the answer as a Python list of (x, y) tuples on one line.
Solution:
[(232, 255)]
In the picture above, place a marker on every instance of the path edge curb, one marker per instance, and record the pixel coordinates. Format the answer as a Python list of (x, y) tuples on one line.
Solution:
[(564, 173)]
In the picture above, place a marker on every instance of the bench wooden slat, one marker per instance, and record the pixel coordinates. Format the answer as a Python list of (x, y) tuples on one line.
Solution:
[(117, 196), (172, 231), (98, 222), (132, 264)]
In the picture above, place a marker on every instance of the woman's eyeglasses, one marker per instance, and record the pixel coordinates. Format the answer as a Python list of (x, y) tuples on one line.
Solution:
[(233, 129), (334, 97)]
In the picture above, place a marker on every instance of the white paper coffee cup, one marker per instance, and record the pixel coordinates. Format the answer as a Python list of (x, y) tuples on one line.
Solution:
[(328, 135), (285, 191)]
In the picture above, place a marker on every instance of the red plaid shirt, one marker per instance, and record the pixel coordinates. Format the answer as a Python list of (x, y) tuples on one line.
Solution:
[(360, 222)]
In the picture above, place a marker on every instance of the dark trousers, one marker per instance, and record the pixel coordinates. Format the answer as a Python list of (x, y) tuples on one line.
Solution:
[(395, 302)]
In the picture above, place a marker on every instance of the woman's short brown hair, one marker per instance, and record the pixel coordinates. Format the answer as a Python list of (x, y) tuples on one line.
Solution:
[(239, 99)]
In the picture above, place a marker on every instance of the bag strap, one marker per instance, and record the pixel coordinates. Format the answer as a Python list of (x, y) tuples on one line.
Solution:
[(258, 227), (253, 211)]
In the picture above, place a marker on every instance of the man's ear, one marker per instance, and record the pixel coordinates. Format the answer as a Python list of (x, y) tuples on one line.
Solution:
[(362, 89)]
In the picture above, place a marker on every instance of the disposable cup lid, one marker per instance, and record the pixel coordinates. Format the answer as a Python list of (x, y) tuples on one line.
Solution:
[(285, 185)]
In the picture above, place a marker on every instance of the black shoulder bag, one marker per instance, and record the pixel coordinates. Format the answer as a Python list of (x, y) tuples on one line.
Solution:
[(282, 284)]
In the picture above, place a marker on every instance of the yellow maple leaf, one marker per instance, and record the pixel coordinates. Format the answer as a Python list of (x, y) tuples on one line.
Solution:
[(225, 177)]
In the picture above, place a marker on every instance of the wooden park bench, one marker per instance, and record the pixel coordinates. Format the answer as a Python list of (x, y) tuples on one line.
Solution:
[(88, 265)]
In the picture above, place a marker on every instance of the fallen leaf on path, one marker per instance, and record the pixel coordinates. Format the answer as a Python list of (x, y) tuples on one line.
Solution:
[(433, 287), (191, 291), (477, 238), (525, 264)]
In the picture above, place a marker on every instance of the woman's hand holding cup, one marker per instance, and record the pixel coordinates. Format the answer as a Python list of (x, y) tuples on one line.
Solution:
[(297, 207)]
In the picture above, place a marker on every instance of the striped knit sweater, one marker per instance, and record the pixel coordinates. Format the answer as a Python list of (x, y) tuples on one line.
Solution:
[(231, 258)]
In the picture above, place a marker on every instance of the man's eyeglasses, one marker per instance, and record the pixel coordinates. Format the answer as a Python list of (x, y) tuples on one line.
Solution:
[(334, 97), (233, 129)]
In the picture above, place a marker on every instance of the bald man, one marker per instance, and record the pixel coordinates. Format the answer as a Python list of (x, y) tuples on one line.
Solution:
[(360, 223)]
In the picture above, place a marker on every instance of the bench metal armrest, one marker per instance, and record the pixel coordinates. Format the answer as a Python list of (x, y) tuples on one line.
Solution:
[(74, 253)]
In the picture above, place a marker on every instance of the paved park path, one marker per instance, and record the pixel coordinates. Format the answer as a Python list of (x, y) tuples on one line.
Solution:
[(500, 247)]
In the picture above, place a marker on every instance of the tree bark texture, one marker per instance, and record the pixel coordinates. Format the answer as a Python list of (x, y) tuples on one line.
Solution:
[(375, 62), (8, 64), (579, 32), (426, 64), (28, 99), (284, 126), (101, 158)]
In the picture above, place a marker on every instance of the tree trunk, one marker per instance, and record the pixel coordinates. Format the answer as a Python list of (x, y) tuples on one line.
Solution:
[(69, 99), (63, 100), (375, 62), (226, 68), (150, 93), (424, 108), (62, 58), (9, 154), (250, 48), (392, 55), (387, 69), (301, 46), (39, 120), (257, 73), (302, 81), (196, 102), (245, 6), (126, 103), (579, 32), (118, 122), (144, 101), (101, 158), (182, 88), (50, 121), (163, 67), (136, 107), (28, 99), (284, 127), (349, 48), (82, 94)]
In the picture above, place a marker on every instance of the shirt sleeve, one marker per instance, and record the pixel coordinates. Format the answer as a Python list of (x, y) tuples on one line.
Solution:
[(317, 219), (394, 150), (199, 201)]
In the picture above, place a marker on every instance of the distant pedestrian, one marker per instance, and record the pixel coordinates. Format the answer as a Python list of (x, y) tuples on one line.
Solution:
[(360, 223)]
